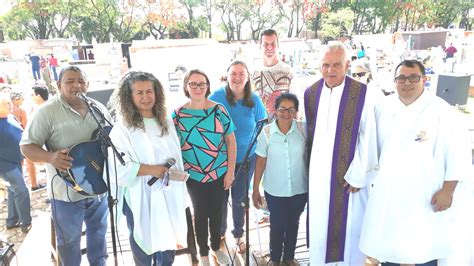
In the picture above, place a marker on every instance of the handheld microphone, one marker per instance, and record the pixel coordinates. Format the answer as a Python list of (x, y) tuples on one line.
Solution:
[(169, 163)]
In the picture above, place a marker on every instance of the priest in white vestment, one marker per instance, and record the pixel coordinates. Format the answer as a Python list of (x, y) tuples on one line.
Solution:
[(423, 154), (340, 163)]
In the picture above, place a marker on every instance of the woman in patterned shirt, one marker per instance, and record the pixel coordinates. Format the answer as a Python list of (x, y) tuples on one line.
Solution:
[(207, 139)]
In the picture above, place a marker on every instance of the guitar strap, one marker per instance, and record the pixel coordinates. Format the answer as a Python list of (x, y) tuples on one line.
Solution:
[(64, 175)]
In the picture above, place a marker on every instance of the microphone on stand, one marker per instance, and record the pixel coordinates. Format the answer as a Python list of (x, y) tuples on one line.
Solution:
[(169, 163), (83, 97)]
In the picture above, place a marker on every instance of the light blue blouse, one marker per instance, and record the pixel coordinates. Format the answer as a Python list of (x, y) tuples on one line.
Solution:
[(286, 171)]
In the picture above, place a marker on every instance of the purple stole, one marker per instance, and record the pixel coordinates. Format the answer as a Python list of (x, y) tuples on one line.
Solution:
[(347, 130)]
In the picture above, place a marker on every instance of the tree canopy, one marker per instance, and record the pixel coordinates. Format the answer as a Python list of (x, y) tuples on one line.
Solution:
[(123, 21)]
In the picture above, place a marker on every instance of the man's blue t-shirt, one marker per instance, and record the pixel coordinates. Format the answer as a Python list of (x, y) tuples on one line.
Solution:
[(10, 136), (244, 118)]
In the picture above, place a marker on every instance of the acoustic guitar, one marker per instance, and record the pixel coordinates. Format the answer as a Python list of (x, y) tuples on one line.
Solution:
[(85, 174)]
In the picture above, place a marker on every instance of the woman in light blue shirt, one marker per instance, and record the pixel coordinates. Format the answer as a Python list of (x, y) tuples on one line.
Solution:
[(281, 156)]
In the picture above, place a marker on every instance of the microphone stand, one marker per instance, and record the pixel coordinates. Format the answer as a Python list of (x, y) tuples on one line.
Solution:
[(105, 143), (246, 202)]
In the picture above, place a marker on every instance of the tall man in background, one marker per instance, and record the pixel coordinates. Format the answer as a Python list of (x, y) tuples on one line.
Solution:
[(342, 151), (274, 77)]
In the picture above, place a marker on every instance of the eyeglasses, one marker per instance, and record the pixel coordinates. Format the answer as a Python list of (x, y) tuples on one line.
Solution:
[(194, 85), (412, 78), (290, 110), (360, 74)]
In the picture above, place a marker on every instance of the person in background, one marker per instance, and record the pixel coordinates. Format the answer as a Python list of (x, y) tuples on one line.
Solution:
[(281, 155), (424, 155), (360, 71), (19, 213), (245, 109), (39, 96), (61, 123), (17, 100), (156, 215), (274, 76), (450, 51), (206, 134), (53, 64), (342, 152), (361, 52), (449, 58), (34, 59), (90, 55), (44, 65)]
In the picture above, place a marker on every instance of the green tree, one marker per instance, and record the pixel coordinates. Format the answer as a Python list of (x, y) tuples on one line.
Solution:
[(233, 14), (128, 24), (191, 23), (40, 19), (262, 16), (337, 24), (465, 21), (297, 13), (160, 17), (97, 21)]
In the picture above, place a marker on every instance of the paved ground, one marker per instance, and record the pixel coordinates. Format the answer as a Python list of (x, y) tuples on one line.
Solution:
[(34, 248), (38, 205)]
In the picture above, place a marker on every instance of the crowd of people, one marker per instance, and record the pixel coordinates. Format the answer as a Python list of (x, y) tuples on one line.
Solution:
[(379, 176)]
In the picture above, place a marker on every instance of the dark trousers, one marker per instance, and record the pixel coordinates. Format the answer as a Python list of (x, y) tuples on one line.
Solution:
[(36, 73), (285, 215), (429, 263), (207, 201)]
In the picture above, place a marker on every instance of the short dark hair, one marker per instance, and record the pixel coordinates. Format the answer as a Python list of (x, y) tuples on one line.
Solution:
[(411, 64), (42, 91), (268, 32), (287, 96), (186, 79), (72, 69)]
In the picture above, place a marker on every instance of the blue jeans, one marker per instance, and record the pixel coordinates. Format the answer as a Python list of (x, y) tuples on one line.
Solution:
[(55, 73), (285, 215), (238, 196), (18, 198), (36, 73), (160, 258), (68, 218)]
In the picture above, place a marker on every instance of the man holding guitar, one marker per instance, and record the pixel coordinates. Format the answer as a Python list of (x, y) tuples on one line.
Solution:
[(58, 125)]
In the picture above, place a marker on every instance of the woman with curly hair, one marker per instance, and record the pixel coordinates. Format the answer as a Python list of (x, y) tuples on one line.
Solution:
[(155, 214)]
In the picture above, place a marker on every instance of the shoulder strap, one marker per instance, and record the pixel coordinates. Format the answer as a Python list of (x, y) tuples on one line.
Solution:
[(301, 128), (266, 129)]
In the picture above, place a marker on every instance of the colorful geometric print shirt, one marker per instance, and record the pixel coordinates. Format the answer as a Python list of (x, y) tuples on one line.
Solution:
[(202, 134)]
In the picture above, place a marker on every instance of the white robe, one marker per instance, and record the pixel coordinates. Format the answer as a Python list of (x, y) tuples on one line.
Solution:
[(422, 145), (159, 214), (358, 175)]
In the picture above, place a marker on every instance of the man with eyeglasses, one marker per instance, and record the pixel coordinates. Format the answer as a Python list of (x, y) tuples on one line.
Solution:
[(423, 154), (274, 76), (342, 151)]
